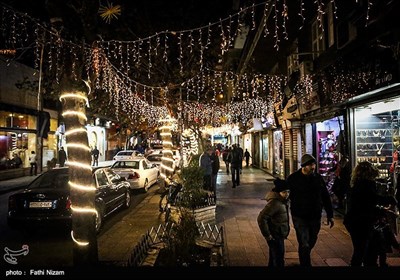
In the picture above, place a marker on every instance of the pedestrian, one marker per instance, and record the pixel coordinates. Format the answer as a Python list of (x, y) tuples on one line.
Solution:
[(205, 163), (241, 157), (395, 174), (62, 157), (383, 238), (247, 157), (273, 221), (308, 195), (95, 154), (225, 154), (235, 158), (215, 169), (16, 161), (362, 212), (33, 163)]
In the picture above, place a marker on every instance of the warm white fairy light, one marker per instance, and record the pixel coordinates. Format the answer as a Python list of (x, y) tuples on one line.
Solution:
[(166, 126), (320, 14), (78, 146), (80, 243), (129, 95), (163, 166), (75, 131), (276, 34), (80, 165), (82, 187), (165, 134), (167, 169), (74, 113), (368, 11), (84, 210), (83, 148), (167, 142)]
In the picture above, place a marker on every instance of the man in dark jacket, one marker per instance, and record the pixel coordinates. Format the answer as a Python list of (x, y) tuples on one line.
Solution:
[(308, 194), (62, 157), (273, 221), (235, 157)]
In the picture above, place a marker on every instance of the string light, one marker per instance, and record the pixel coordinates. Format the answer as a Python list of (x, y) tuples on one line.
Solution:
[(78, 97), (116, 82), (78, 146), (166, 169), (81, 187), (80, 243)]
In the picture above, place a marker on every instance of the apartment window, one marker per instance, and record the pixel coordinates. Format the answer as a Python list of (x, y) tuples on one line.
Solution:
[(317, 39)]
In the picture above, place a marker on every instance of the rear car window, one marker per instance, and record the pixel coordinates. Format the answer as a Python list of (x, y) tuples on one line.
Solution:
[(126, 164), (154, 157), (51, 180), (124, 153)]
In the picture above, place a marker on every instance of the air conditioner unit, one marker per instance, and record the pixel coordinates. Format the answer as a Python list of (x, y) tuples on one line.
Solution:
[(305, 68)]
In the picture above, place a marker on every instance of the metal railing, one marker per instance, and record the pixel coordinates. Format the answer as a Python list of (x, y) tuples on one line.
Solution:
[(160, 234)]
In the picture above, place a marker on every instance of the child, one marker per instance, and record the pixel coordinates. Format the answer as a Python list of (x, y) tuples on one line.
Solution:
[(273, 221)]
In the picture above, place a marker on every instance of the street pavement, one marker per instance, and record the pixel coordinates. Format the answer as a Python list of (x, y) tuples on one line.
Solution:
[(237, 210)]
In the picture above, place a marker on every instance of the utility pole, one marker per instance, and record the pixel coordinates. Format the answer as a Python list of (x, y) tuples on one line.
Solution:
[(39, 136)]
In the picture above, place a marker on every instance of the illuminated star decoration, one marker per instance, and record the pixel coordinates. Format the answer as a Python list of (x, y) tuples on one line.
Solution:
[(110, 11)]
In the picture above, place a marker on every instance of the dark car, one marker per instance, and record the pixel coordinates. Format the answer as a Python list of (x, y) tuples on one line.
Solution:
[(46, 201)]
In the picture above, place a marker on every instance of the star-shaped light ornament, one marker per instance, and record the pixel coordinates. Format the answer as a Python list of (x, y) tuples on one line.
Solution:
[(109, 12)]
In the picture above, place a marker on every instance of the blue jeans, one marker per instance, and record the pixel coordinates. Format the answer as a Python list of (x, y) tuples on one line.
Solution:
[(307, 234)]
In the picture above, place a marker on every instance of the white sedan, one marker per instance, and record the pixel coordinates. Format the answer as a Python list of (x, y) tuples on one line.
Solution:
[(139, 172)]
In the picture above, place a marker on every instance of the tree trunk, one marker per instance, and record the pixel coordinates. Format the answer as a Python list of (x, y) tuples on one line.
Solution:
[(83, 224)]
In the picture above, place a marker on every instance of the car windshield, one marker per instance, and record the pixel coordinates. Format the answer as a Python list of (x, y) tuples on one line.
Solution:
[(51, 180), (126, 164)]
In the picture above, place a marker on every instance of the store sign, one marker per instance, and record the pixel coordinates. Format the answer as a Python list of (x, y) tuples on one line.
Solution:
[(291, 110)]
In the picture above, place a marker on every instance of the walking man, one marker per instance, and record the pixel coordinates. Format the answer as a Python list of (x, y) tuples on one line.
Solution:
[(32, 161), (308, 194), (62, 157), (247, 157), (235, 158), (95, 154)]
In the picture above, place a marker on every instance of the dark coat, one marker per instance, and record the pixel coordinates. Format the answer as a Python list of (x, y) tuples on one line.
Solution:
[(362, 212), (62, 156), (235, 157), (215, 164), (274, 218), (308, 195)]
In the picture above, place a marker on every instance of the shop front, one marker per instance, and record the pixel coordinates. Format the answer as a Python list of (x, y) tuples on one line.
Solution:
[(322, 141), (277, 153), (375, 133)]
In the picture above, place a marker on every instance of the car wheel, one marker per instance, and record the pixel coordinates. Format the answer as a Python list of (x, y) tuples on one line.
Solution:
[(99, 221), (128, 199), (146, 184)]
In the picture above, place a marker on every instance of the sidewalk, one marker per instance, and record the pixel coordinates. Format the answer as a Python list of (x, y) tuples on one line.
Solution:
[(237, 211)]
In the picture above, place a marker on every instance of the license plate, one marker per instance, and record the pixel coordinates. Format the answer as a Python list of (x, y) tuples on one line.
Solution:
[(40, 204)]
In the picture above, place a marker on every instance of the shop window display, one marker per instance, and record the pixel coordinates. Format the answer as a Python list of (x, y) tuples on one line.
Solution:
[(327, 154), (374, 141)]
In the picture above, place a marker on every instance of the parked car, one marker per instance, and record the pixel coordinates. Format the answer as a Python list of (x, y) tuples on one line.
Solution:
[(47, 200), (139, 172), (155, 158), (126, 154)]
